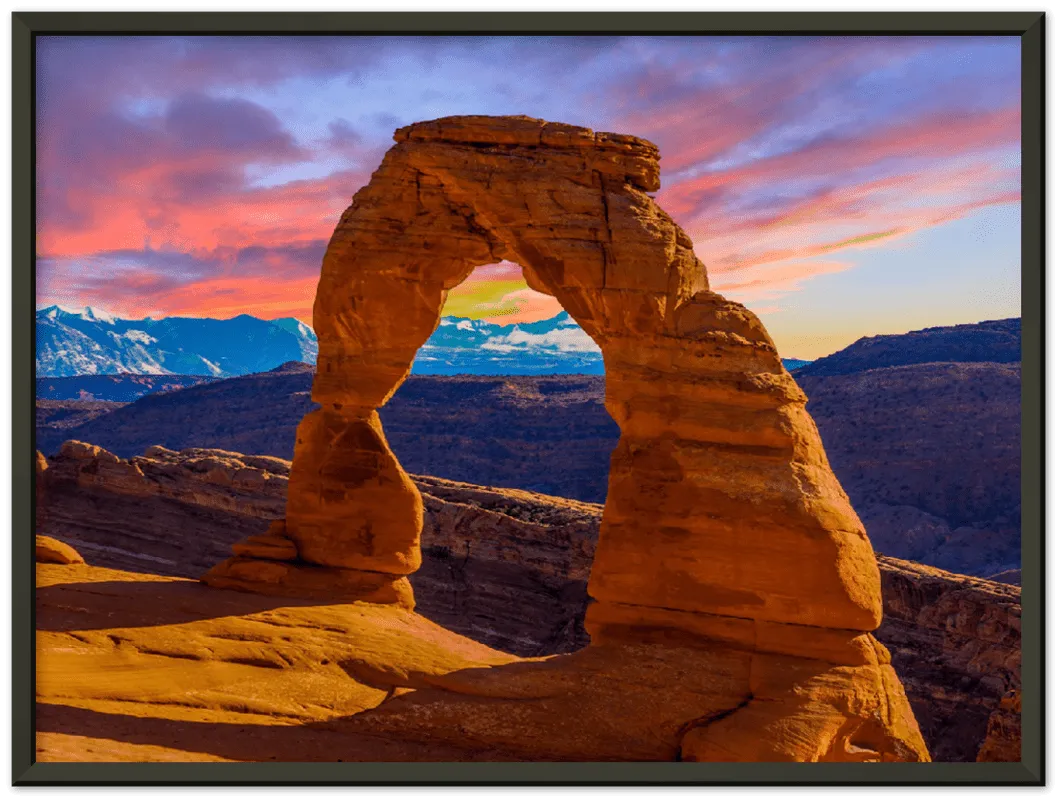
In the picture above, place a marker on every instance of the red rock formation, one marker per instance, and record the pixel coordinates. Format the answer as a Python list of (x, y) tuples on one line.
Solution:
[(1004, 737), (52, 551), (40, 465), (165, 512), (724, 520), (48, 550)]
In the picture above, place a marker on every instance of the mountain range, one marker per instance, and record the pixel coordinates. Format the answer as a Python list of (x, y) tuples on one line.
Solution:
[(92, 342)]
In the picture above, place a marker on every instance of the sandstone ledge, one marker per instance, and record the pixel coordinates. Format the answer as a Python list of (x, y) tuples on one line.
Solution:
[(52, 551), (310, 581)]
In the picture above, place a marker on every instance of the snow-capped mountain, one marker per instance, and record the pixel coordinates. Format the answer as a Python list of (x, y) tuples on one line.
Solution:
[(556, 346), (89, 341)]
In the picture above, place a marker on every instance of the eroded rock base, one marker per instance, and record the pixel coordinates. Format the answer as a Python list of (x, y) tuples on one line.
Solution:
[(208, 674), (268, 564)]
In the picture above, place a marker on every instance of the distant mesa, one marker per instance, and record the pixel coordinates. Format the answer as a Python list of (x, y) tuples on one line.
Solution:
[(120, 387), (998, 341), (294, 367)]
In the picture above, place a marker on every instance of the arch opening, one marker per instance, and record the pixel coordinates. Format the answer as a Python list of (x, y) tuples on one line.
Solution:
[(510, 456)]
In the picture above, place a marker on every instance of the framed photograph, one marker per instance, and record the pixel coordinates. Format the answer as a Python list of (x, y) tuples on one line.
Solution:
[(528, 398)]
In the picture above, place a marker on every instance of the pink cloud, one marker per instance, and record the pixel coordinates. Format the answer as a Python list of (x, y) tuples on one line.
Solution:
[(775, 281)]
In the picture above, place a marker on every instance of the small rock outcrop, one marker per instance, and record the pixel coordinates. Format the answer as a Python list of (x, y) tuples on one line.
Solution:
[(724, 522), (40, 466), (52, 551), (48, 550), (1003, 740)]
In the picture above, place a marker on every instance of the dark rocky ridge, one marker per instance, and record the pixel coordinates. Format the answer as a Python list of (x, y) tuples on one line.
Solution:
[(56, 417), (998, 341), (122, 388), (929, 453), (547, 434)]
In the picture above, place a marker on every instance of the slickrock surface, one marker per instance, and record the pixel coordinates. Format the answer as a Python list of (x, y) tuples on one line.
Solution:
[(210, 674), (509, 569), (134, 667), (1004, 738)]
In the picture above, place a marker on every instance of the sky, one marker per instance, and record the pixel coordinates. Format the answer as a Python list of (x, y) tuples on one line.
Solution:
[(839, 187)]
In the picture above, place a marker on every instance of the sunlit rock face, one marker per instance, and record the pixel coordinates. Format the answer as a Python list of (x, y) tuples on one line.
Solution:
[(724, 523)]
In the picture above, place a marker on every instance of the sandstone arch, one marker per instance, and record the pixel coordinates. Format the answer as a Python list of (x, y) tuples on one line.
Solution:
[(721, 500), (723, 518)]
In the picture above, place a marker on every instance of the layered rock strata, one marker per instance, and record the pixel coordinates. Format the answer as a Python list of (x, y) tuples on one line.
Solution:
[(48, 550), (956, 642)]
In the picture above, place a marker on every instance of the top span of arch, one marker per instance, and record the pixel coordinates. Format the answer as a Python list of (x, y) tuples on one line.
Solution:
[(568, 204), (629, 157)]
